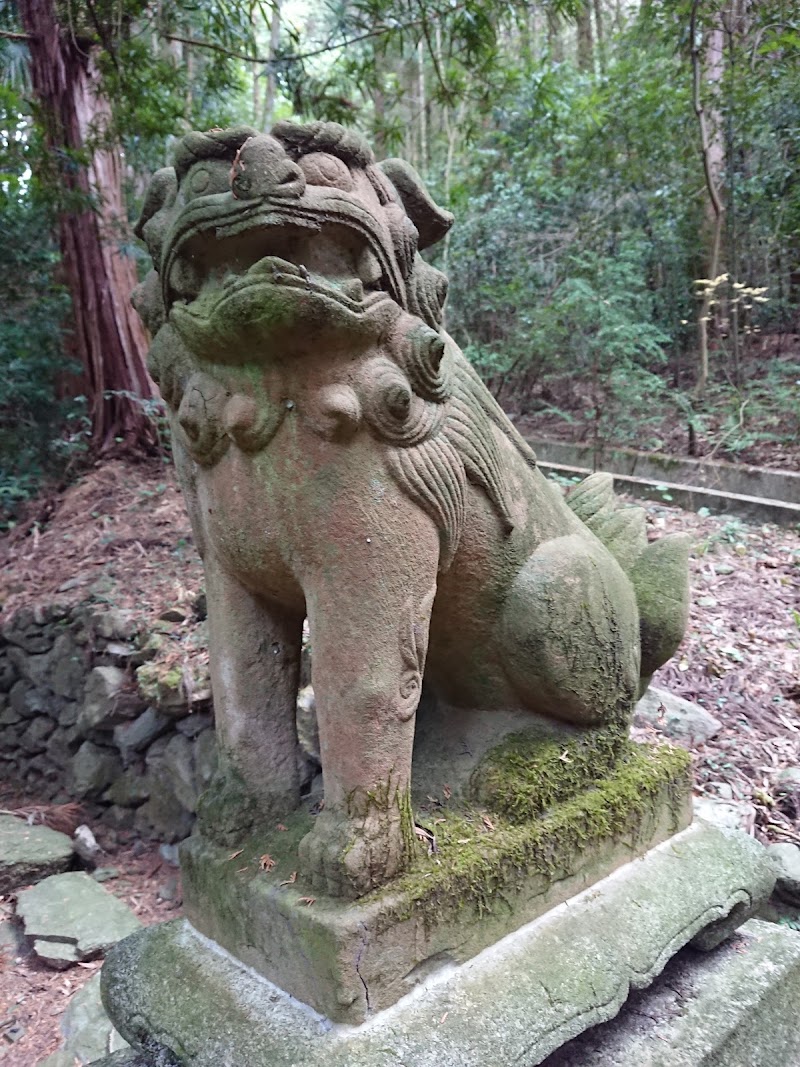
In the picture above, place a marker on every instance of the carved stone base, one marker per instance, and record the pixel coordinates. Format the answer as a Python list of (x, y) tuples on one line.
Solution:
[(485, 877), (176, 994)]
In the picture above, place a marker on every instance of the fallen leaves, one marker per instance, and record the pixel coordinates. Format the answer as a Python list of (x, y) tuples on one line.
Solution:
[(426, 835), (266, 862), (308, 901), (290, 880)]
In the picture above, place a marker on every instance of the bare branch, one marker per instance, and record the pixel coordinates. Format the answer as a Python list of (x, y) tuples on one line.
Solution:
[(16, 36)]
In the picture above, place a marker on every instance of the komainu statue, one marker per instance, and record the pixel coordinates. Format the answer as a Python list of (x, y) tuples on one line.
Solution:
[(343, 462)]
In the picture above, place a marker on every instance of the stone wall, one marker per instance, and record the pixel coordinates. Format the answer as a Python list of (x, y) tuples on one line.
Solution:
[(95, 710)]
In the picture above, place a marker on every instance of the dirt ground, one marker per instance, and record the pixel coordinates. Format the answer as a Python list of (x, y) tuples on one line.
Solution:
[(33, 996), (121, 535)]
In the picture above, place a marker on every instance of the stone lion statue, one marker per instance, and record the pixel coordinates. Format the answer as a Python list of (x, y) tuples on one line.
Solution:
[(341, 460)]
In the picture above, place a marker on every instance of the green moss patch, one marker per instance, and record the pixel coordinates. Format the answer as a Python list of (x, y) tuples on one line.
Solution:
[(482, 861), (481, 858), (530, 772)]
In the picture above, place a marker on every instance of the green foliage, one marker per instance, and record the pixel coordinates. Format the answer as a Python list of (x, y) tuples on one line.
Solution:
[(582, 216), (40, 427)]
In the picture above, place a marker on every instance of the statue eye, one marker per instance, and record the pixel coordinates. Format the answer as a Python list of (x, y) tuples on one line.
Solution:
[(321, 168), (206, 178), (200, 180)]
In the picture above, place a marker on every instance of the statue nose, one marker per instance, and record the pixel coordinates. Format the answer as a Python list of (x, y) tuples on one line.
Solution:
[(262, 168)]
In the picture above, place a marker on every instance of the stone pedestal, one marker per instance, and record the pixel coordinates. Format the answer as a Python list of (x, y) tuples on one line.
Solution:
[(177, 995), (485, 876)]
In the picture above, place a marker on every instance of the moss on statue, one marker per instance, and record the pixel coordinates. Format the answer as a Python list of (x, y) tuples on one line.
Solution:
[(534, 829), (482, 858), (227, 811), (528, 773)]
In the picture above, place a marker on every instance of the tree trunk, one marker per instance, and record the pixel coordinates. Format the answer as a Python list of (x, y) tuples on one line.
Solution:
[(108, 336), (713, 156), (271, 93), (600, 36), (585, 38), (423, 108), (555, 41)]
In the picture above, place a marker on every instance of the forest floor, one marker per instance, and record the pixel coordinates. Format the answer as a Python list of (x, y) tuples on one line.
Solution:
[(33, 996), (757, 424), (121, 535)]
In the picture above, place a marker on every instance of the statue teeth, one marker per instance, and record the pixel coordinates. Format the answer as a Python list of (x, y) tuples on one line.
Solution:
[(274, 265)]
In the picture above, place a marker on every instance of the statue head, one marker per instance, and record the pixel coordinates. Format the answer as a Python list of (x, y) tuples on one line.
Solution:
[(254, 234)]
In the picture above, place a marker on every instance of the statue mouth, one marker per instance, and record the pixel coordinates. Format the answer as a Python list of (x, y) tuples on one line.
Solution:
[(351, 291), (328, 250)]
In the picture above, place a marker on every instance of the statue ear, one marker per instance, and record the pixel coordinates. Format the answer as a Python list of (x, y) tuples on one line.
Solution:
[(161, 193), (431, 221)]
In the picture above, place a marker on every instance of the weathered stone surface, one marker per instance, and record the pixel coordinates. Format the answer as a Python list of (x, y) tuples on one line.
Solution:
[(12, 939), (447, 910), (786, 858), (24, 629), (206, 757), (736, 1007), (129, 790), (67, 668), (134, 737), (30, 853), (87, 1030), (59, 955), (9, 716), (163, 817), (788, 779), (71, 911), (8, 674), (34, 738), (442, 550), (515, 1003), (675, 717), (68, 715), (62, 744), (180, 766), (92, 770), (29, 702), (726, 814), (195, 723), (126, 1058), (114, 624), (33, 669), (109, 699)]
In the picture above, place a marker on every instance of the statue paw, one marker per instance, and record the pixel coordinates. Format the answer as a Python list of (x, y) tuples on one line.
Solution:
[(347, 857)]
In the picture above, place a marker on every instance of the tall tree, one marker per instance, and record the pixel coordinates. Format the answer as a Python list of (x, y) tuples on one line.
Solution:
[(74, 117)]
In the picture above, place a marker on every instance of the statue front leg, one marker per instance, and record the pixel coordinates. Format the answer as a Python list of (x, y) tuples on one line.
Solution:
[(255, 664), (369, 634)]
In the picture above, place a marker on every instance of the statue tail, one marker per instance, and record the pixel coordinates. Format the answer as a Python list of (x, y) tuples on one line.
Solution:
[(658, 570)]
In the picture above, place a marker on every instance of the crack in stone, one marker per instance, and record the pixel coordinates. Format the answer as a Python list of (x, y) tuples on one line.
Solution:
[(361, 952)]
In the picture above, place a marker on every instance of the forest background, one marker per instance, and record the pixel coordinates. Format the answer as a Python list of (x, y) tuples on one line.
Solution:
[(625, 264)]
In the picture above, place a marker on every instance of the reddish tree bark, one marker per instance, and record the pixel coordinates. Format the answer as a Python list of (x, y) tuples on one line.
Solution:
[(110, 340)]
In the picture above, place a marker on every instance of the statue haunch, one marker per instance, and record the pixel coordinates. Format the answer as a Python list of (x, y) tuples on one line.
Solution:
[(342, 460)]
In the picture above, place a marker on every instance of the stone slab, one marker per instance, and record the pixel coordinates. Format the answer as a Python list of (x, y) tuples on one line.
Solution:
[(30, 853), (87, 1031), (171, 991), (679, 719), (734, 1007), (487, 877), (691, 497), (72, 912)]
